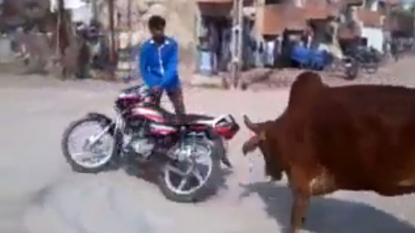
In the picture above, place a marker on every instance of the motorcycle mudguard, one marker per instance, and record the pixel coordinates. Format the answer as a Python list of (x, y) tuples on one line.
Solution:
[(218, 143), (103, 119)]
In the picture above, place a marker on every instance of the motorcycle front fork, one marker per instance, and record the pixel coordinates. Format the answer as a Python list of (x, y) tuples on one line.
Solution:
[(95, 138)]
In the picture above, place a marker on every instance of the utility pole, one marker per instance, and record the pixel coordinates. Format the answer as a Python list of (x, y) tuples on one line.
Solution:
[(94, 6), (60, 29), (129, 25), (112, 36), (236, 42)]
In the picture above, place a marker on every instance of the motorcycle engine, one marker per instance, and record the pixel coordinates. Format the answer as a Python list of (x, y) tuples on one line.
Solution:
[(142, 146), (138, 143)]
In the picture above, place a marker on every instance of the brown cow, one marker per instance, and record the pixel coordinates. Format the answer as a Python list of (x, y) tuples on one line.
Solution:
[(339, 138)]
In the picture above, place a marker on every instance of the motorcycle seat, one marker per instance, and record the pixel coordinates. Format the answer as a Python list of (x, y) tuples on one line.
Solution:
[(188, 119)]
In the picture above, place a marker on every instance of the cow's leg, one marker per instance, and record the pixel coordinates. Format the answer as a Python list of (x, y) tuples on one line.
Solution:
[(298, 211)]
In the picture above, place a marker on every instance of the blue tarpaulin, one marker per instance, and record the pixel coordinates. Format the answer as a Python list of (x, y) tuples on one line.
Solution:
[(311, 58)]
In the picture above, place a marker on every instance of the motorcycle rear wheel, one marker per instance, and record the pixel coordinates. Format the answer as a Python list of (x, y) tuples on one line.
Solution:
[(208, 188), (108, 160)]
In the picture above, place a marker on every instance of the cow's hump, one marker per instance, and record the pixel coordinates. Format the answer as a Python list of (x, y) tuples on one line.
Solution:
[(305, 89)]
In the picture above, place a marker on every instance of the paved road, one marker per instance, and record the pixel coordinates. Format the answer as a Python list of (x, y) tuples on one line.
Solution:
[(39, 193)]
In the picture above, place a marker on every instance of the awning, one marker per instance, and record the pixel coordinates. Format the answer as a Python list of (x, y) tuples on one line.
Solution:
[(346, 33), (278, 17), (215, 9), (352, 2)]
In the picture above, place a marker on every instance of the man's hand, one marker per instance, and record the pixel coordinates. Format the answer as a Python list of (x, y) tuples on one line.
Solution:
[(157, 89)]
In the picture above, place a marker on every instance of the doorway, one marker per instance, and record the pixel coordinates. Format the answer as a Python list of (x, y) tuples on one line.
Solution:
[(218, 40)]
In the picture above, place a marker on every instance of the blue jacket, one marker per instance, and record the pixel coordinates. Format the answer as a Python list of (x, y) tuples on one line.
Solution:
[(159, 64)]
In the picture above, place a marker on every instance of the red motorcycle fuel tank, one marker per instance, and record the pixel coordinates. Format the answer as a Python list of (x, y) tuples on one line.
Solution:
[(157, 125), (148, 113)]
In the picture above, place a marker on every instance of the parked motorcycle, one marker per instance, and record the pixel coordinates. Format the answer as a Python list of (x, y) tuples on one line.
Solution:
[(346, 66), (142, 132), (351, 68), (368, 59)]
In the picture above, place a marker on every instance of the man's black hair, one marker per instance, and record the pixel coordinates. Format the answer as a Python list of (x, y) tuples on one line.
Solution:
[(156, 22)]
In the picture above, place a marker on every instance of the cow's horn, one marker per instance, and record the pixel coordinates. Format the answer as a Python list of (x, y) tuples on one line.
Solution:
[(250, 145), (250, 125)]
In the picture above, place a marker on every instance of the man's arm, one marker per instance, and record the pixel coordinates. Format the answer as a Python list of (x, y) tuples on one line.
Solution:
[(172, 66), (143, 64)]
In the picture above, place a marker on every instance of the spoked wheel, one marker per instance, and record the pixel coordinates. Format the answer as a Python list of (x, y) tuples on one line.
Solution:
[(88, 146), (336, 66), (370, 68), (193, 178)]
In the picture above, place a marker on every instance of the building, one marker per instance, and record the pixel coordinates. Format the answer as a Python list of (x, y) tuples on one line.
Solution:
[(333, 25), (344, 20), (312, 16), (367, 21), (16, 13), (267, 21)]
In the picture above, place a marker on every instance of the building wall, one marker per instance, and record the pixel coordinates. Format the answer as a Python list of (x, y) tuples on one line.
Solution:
[(258, 18)]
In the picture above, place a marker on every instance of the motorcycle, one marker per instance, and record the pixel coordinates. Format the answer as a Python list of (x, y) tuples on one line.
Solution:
[(368, 59), (143, 132), (346, 65), (351, 68)]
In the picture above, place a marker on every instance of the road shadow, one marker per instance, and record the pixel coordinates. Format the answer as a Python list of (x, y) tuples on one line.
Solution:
[(327, 215), (150, 173)]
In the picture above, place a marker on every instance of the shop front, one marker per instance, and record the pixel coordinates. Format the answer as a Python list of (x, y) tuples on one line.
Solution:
[(213, 33)]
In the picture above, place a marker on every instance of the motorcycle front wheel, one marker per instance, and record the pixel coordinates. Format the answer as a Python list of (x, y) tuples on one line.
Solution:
[(190, 180), (94, 150)]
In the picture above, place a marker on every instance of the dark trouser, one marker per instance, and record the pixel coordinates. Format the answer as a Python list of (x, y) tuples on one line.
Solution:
[(176, 98)]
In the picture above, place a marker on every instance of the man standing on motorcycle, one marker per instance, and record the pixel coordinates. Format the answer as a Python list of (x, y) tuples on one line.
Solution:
[(159, 60)]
